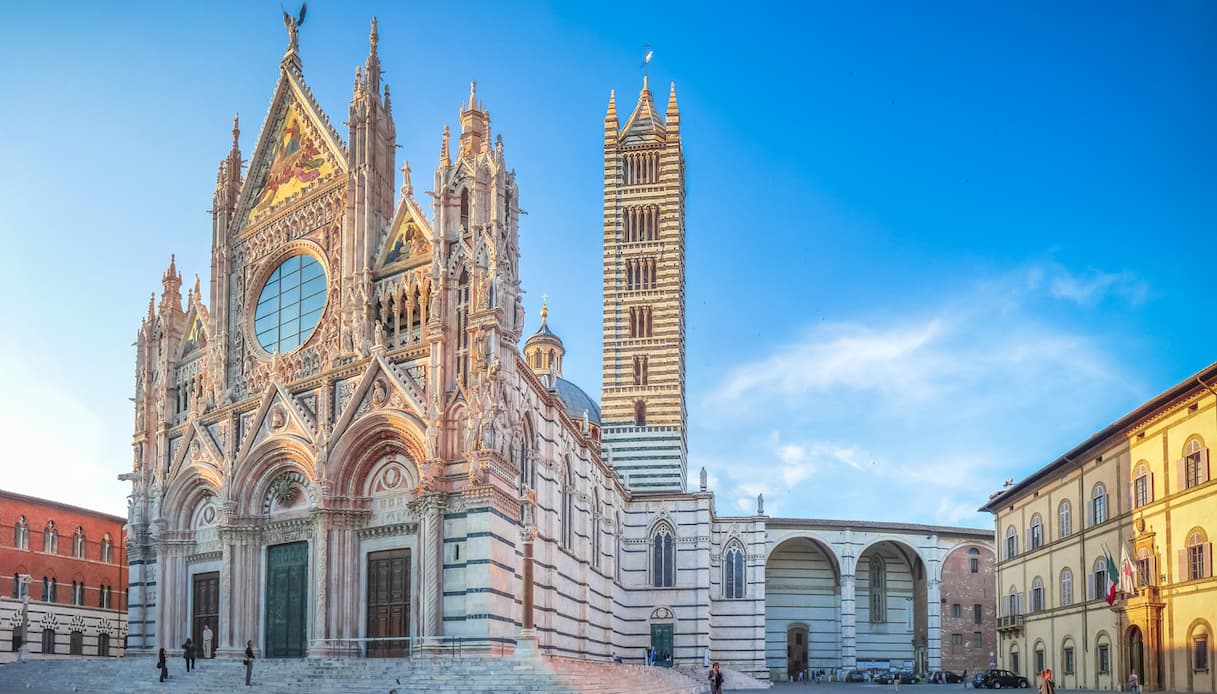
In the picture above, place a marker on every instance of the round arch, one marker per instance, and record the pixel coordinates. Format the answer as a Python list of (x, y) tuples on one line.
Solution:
[(263, 464), (367, 442), (188, 489), (963, 546)]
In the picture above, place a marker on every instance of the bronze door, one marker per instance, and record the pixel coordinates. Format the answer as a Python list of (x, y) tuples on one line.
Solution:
[(286, 600), (388, 602), (205, 610)]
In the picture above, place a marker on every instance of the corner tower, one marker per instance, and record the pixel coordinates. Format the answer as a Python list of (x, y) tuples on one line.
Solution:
[(644, 296)]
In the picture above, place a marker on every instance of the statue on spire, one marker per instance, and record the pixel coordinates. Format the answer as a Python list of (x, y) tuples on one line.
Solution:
[(293, 27)]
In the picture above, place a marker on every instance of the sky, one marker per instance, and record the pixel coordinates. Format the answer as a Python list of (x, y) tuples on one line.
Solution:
[(931, 245)]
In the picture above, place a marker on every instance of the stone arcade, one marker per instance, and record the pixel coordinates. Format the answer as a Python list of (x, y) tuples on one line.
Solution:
[(345, 441)]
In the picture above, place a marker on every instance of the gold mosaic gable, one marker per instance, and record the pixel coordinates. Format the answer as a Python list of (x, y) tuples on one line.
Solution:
[(298, 161)]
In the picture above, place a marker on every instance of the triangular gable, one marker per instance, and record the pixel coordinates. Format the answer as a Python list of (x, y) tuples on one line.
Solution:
[(644, 124), (195, 337), (298, 150), (195, 445), (279, 414), (408, 242), (382, 385)]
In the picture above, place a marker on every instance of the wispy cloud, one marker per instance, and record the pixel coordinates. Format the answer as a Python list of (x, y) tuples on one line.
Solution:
[(1089, 287), (915, 418)]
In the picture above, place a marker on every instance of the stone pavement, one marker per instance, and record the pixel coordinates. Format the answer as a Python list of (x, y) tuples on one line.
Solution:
[(421, 675)]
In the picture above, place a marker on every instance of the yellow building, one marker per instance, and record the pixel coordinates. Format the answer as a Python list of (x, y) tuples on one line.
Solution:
[(1139, 491)]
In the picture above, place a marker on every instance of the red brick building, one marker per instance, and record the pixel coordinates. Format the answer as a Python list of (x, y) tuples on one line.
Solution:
[(77, 563), (969, 609)]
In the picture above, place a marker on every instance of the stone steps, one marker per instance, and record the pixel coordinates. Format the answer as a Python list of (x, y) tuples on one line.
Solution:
[(427, 675)]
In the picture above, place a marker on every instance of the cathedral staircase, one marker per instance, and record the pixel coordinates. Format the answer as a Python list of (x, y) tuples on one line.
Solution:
[(466, 675)]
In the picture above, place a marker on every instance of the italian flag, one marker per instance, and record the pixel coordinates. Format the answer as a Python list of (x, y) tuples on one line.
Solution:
[(1113, 577)]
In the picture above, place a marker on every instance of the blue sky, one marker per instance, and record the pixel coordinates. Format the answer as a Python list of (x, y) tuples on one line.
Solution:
[(930, 245)]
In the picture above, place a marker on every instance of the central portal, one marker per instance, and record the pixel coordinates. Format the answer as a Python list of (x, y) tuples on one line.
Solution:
[(286, 600), (206, 612), (388, 603)]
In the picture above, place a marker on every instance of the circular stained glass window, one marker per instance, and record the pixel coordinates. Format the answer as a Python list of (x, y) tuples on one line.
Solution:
[(290, 304)]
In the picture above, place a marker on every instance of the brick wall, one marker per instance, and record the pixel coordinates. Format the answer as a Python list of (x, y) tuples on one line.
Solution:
[(61, 565), (962, 587)]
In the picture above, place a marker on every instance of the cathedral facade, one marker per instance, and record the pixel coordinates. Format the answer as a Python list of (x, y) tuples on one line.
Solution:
[(342, 448)]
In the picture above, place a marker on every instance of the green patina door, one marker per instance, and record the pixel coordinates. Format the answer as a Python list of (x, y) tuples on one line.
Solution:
[(661, 641), (286, 600)]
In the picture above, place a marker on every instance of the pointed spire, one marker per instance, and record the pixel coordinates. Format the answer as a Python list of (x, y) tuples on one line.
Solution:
[(611, 114), (407, 186), (198, 292), (445, 158), (646, 89), (672, 108), (152, 307), (171, 271), (236, 134), (372, 69), (473, 96)]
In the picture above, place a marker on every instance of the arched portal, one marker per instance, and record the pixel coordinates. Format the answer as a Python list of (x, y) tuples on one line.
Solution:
[(1136, 651), (802, 587), (892, 607)]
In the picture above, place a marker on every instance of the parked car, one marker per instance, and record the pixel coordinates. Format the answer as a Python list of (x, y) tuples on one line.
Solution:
[(907, 677), (884, 677), (999, 679), (855, 676), (945, 677)]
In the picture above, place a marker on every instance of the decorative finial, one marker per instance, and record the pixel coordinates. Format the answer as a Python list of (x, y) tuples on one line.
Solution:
[(704, 479), (407, 186), (444, 157), (236, 129), (197, 290), (473, 96), (374, 36), (544, 307), (152, 307), (672, 108)]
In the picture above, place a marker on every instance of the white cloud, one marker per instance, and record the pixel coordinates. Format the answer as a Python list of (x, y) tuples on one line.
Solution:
[(911, 419), (1093, 286)]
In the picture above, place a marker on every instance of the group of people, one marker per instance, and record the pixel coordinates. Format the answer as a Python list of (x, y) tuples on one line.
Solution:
[(189, 653)]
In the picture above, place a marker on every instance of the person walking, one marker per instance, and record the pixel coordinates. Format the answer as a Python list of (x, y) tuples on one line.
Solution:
[(1047, 686), (188, 654), (249, 661), (716, 679), (1134, 683), (207, 637), (896, 681), (162, 665)]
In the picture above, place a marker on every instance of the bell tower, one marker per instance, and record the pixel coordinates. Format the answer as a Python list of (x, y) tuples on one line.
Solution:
[(643, 397)]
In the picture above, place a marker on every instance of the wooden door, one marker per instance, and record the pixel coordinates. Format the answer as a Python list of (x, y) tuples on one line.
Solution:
[(205, 609), (388, 602)]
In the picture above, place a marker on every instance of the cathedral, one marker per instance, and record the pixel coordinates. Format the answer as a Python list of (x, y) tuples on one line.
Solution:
[(340, 446)]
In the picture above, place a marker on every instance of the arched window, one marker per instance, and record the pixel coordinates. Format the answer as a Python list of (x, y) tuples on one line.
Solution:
[(21, 534), (1011, 542), (528, 471), (1066, 519), (1142, 486), (1196, 561), (1068, 657), (1036, 536), (1066, 587), (877, 573), (568, 510), (1194, 468), (103, 644), (48, 640), (663, 558), (50, 538), (596, 527), (465, 209), (640, 413), (1037, 595), (462, 328), (1013, 604), (78, 543), (1098, 504), (733, 572), (107, 549), (1198, 649), (974, 560), (78, 593), (1147, 572)]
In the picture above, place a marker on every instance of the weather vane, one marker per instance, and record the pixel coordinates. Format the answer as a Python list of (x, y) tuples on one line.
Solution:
[(646, 57)]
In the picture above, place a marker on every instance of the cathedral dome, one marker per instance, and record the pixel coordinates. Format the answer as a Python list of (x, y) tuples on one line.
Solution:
[(576, 402), (543, 352)]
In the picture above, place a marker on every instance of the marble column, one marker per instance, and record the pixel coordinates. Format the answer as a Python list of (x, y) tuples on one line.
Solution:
[(429, 511), (319, 644), (934, 624)]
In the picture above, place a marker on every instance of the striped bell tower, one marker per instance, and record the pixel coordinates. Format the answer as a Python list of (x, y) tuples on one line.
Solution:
[(643, 397)]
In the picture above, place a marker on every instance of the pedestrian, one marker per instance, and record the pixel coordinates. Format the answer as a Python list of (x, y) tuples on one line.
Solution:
[(896, 681), (965, 678), (1134, 683), (1047, 686), (207, 635), (188, 654), (249, 661), (162, 665), (705, 657), (716, 679)]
